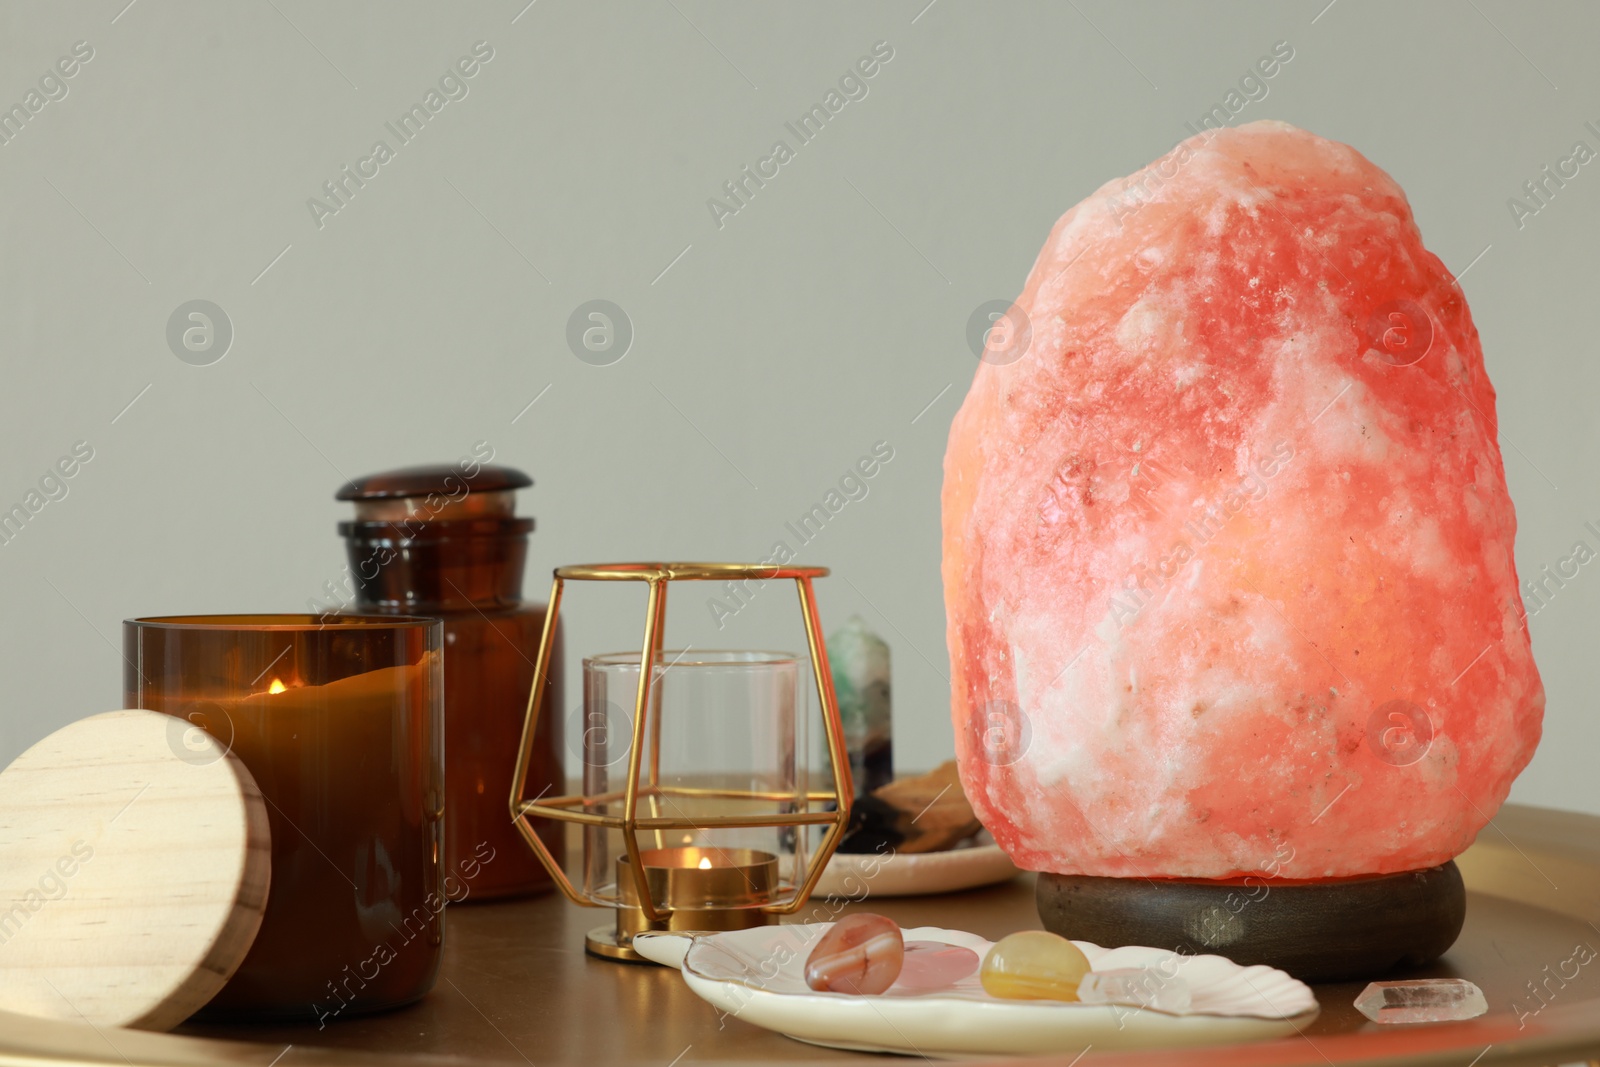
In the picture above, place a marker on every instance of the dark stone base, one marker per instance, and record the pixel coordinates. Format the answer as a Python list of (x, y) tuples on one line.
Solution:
[(1317, 931)]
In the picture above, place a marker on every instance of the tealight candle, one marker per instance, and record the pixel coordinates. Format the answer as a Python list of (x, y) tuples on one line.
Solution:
[(706, 888)]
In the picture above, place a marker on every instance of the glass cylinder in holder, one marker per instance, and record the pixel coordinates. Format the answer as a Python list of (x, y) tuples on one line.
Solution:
[(726, 737)]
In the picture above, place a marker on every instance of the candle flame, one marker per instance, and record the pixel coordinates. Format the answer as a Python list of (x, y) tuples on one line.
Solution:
[(705, 863), (277, 686)]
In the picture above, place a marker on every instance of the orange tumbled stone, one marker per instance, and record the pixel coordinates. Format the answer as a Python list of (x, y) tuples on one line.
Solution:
[(1227, 543), (860, 954)]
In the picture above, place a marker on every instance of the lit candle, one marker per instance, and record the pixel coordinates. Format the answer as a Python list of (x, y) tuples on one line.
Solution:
[(339, 723), (700, 887)]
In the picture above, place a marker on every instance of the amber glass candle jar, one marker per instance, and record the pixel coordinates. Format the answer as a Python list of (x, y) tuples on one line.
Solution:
[(340, 722), (445, 541)]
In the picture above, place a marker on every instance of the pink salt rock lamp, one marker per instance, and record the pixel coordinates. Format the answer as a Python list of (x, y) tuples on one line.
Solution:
[(1227, 542)]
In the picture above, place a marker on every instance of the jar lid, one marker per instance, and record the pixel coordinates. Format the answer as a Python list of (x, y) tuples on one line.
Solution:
[(442, 479), (169, 864)]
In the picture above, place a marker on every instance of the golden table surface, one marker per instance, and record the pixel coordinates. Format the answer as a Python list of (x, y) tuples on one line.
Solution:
[(517, 988)]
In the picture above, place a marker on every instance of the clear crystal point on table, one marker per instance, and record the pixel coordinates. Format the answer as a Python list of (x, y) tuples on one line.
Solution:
[(1427, 1000), (1137, 987)]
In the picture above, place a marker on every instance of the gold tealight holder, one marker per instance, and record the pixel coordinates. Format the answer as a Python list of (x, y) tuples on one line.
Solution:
[(697, 804), (704, 889)]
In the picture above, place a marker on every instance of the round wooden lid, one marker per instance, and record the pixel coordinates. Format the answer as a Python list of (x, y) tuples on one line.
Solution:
[(134, 865)]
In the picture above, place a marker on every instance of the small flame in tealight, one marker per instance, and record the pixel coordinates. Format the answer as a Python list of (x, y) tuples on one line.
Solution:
[(277, 686), (705, 863)]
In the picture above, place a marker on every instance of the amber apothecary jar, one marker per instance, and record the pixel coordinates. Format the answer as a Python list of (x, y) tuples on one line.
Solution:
[(340, 721), (445, 541)]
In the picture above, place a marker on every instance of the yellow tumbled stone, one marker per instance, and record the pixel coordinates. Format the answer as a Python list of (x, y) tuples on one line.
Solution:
[(1034, 965)]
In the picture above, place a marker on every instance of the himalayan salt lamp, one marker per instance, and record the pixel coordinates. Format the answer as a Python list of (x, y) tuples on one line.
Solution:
[(1227, 545)]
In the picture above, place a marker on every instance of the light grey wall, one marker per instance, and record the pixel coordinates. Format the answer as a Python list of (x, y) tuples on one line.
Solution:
[(769, 353)]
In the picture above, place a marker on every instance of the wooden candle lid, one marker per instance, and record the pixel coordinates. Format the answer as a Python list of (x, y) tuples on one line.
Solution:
[(134, 864)]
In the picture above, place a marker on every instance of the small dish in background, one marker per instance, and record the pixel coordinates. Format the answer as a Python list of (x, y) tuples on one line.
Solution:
[(892, 874)]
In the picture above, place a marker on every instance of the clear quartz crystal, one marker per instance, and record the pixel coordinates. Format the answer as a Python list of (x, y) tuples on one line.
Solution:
[(1138, 987), (1427, 1000)]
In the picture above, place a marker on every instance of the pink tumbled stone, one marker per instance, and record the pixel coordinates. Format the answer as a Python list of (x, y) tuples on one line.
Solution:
[(933, 965), (1227, 543), (861, 954)]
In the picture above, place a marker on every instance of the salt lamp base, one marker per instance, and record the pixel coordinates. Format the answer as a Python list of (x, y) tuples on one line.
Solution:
[(1317, 931)]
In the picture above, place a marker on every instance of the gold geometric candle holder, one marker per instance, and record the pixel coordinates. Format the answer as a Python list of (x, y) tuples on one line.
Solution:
[(716, 762)]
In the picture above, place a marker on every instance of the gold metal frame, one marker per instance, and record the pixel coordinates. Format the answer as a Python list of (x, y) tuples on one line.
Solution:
[(562, 808)]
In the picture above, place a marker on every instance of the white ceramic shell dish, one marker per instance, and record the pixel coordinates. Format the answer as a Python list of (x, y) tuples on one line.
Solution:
[(758, 976)]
